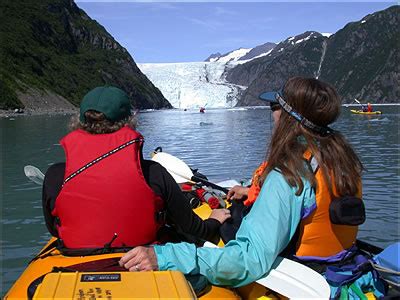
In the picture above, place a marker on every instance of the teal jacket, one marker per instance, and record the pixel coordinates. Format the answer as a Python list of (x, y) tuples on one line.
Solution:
[(263, 234)]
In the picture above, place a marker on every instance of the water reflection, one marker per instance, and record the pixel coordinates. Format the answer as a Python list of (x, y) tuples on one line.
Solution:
[(223, 144)]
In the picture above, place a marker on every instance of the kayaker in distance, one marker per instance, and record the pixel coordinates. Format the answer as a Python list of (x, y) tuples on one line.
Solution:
[(202, 110), (309, 165), (367, 108), (106, 195)]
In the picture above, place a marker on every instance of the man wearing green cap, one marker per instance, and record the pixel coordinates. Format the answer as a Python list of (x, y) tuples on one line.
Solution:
[(106, 195)]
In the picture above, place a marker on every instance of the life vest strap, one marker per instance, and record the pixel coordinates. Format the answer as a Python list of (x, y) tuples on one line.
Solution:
[(101, 157)]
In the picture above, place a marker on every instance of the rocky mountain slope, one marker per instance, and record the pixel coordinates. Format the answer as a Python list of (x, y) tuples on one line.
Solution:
[(52, 53), (361, 60), (296, 55)]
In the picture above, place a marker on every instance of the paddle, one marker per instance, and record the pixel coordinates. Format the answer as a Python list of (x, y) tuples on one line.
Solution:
[(292, 279), (34, 174), (362, 105), (180, 171)]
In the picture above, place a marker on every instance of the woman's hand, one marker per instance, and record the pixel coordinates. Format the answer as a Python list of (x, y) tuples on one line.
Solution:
[(139, 259), (237, 192), (221, 214)]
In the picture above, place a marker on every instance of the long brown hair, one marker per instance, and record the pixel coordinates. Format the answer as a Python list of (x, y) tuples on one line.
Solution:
[(97, 123), (319, 103)]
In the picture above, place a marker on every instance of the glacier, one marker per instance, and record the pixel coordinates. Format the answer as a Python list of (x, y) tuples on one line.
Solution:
[(194, 84)]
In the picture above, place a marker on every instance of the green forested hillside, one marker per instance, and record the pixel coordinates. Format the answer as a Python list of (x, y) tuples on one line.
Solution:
[(363, 58), (53, 46)]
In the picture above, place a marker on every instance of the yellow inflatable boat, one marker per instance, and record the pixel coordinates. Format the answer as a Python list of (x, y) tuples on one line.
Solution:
[(52, 275)]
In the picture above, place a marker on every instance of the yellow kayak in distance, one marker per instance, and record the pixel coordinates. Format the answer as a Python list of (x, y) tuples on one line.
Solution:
[(360, 112)]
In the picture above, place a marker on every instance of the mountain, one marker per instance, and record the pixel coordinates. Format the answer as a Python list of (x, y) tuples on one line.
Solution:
[(361, 61), (298, 54), (231, 56), (258, 51), (241, 55), (53, 53), (213, 56)]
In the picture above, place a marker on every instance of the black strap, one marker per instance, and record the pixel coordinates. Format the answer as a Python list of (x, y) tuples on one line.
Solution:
[(93, 162), (46, 251), (92, 251), (368, 248)]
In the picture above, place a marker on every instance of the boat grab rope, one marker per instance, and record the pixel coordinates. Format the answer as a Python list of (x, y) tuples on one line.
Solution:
[(95, 161)]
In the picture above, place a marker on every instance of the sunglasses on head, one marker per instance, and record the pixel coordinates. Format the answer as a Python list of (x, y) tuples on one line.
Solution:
[(323, 130), (274, 106)]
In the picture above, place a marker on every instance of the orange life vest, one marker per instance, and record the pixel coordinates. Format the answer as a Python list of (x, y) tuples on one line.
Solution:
[(255, 188), (318, 236), (111, 196)]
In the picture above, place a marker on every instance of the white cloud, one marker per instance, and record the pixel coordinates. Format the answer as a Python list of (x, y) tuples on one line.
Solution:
[(210, 24), (221, 11)]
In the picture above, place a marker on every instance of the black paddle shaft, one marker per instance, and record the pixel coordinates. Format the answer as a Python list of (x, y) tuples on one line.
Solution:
[(210, 184), (365, 246)]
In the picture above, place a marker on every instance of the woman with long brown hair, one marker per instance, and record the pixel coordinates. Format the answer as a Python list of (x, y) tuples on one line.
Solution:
[(309, 167)]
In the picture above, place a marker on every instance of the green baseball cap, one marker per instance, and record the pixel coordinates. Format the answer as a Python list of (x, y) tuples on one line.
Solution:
[(113, 102)]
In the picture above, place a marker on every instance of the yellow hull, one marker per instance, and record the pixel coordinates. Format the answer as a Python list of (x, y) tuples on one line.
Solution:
[(360, 112), (68, 285), (131, 285)]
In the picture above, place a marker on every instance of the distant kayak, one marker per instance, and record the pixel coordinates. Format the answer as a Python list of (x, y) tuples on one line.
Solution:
[(366, 112)]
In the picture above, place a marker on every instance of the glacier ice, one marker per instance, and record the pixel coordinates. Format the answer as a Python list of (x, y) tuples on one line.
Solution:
[(193, 84)]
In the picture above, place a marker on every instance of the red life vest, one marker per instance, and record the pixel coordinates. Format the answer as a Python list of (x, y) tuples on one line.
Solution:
[(109, 197)]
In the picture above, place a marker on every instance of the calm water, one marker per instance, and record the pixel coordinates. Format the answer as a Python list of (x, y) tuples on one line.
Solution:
[(222, 144)]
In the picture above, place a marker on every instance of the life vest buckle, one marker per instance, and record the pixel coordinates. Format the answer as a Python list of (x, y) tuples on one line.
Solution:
[(161, 216)]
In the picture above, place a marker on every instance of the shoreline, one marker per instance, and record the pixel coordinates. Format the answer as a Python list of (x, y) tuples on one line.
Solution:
[(68, 111), (34, 112)]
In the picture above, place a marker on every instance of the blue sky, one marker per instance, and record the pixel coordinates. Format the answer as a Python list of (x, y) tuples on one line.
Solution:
[(190, 31)]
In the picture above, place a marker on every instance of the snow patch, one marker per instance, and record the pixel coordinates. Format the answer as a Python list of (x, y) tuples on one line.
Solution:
[(302, 40), (326, 34), (263, 54), (234, 55)]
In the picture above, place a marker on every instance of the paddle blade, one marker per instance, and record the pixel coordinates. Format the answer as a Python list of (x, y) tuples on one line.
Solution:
[(228, 183), (179, 170), (292, 279), (34, 174), (295, 280)]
